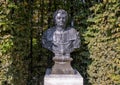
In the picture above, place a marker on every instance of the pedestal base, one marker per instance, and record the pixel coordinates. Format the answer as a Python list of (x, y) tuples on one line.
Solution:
[(62, 79), (62, 66)]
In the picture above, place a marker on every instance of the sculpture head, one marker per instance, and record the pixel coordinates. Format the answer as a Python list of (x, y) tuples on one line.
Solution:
[(60, 18)]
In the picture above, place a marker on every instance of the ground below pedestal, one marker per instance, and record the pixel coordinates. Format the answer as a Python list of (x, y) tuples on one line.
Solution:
[(63, 79)]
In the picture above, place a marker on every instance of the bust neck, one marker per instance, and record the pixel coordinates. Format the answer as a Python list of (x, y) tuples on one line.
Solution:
[(60, 28)]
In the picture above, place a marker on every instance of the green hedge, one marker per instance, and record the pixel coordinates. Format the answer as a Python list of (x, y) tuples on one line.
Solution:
[(98, 59), (103, 36), (14, 43)]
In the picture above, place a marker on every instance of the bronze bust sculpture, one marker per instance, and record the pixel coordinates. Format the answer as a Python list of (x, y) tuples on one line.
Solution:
[(60, 39)]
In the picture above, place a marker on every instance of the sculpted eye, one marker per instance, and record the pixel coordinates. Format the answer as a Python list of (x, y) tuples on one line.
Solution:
[(64, 18)]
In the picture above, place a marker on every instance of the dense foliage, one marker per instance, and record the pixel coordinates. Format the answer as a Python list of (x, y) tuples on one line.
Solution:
[(14, 43), (23, 61), (103, 36), (100, 48)]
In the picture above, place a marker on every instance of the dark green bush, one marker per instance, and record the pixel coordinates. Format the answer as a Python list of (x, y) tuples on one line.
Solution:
[(98, 59), (103, 36)]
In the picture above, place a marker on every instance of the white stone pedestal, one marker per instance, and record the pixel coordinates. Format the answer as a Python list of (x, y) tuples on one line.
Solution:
[(62, 79)]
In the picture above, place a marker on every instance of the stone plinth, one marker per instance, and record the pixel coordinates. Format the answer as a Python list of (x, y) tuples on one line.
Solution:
[(62, 65), (62, 79)]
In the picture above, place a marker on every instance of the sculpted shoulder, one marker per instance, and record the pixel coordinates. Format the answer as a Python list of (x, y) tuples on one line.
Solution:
[(71, 30), (49, 34), (50, 30), (73, 34)]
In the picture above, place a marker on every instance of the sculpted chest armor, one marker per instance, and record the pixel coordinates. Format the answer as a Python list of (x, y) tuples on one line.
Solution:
[(61, 42)]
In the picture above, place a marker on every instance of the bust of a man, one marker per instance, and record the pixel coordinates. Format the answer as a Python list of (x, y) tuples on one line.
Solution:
[(60, 39)]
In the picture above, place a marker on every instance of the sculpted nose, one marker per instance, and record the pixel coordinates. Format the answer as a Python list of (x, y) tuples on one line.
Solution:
[(61, 19)]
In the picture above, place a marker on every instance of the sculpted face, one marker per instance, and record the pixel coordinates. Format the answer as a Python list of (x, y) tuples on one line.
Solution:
[(61, 19)]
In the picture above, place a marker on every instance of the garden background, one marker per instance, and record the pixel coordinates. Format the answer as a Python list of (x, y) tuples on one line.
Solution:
[(23, 60)]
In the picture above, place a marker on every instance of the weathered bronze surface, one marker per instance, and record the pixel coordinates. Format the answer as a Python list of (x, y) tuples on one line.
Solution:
[(61, 40)]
